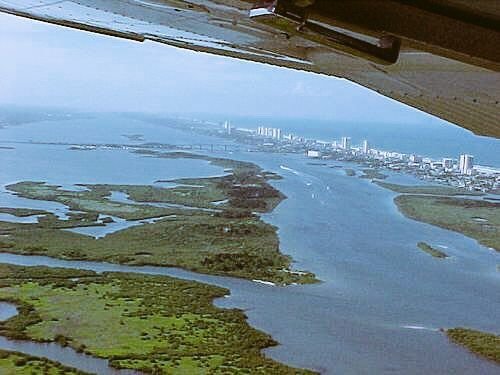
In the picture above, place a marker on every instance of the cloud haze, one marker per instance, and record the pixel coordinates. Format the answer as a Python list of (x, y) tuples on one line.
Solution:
[(48, 65)]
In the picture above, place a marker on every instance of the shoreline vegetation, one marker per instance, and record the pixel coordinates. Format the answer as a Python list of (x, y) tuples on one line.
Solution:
[(439, 206), (370, 173), (154, 324), (426, 189), (207, 225), (486, 345), (431, 250), (16, 363)]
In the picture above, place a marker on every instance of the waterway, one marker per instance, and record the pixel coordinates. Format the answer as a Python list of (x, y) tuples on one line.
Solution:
[(381, 300)]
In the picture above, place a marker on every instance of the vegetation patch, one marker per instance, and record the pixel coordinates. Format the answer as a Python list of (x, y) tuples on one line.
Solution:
[(431, 250), (456, 214), (484, 344), (426, 189), (21, 212), (91, 202), (373, 174), (154, 324), (14, 363), (193, 233), (478, 219)]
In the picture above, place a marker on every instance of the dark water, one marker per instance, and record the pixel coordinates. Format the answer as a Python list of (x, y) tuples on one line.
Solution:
[(381, 300)]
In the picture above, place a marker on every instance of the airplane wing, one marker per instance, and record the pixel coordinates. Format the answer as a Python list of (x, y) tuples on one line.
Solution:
[(440, 56)]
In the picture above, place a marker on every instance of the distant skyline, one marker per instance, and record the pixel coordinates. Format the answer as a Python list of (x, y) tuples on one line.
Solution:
[(48, 65)]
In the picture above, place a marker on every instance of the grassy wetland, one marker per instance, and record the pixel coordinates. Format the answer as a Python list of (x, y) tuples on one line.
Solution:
[(154, 324), (474, 218), (14, 363), (484, 344), (208, 225), (426, 189), (370, 173), (436, 205)]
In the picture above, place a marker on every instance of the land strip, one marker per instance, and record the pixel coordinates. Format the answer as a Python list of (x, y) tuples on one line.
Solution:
[(431, 250), (484, 344), (474, 218), (370, 173), (426, 189), (478, 219)]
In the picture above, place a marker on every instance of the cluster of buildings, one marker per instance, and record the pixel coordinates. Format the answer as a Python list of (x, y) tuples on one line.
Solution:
[(460, 172), (274, 133)]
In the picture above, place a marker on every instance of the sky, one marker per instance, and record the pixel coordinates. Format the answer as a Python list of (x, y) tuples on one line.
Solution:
[(49, 65)]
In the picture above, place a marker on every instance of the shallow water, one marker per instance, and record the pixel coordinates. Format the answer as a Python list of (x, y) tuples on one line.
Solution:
[(7, 311), (100, 231), (64, 355), (9, 199), (19, 219), (381, 299)]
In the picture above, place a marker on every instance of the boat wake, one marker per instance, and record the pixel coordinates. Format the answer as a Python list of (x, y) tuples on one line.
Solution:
[(290, 170), (419, 328)]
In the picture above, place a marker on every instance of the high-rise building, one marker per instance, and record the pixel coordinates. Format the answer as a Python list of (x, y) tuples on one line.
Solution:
[(275, 133), (366, 147), (227, 127), (466, 162), (270, 132), (346, 143)]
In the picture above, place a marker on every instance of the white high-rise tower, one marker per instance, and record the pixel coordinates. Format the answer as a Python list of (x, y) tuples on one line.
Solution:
[(346, 143), (366, 147), (466, 162), (227, 126)]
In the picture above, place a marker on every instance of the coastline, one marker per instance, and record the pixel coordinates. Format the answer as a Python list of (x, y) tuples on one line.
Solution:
[(340, 288)]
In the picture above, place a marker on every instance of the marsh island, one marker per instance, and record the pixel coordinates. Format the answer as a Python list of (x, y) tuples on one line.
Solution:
[(154, 324), (208, 225)]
